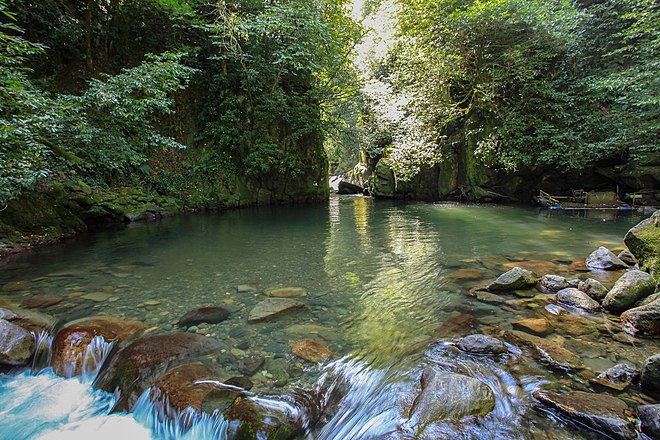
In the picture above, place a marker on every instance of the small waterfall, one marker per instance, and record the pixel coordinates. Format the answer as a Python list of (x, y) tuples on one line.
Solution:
[(41, 356)]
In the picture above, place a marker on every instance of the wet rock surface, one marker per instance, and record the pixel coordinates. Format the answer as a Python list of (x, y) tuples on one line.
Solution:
[(16, 344), (311, 350), (209, 315), (643, 320), (632, 287), (650, 378), (576, 298), (272, 308), (546, 350), (482, 345), (71, 342), (179, 386), (602, 413), (603, 258), (649, 416), (618, 377), (593, 288), (535, 326), (514, 279), (287, 292)]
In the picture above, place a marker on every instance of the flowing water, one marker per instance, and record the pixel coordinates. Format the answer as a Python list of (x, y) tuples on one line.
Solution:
[(388, 290)]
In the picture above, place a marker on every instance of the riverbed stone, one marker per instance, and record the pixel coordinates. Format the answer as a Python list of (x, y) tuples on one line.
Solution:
[(643, 320), (251, 364), (445, 395), (650, 378), (209, 315), (643, 240), (70, 344), (138, 365), (41, 302), (482, 345), (546, 350), (593, 288), (259, 421), (649, 416), (576, 298), (618, 377), (601, 412), (7, 315), (514, 279), (632, 287), (603, 258), (287, 292), (461, 275), (16, 344), (311, 350), (179, 388), (272, 308), (536, 326), (552, 283), (627, 257), (650, 299)]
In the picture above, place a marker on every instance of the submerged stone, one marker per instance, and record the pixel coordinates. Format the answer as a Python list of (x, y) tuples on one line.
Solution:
[(482, 344), (632, 287), (537, 326), (600, 412), (41, 302), (546, 350), (16, 344), (514, 279), (71, 342), (272, 308), (311, 350), (251, 364), (446, 395), (287, 292), (576, 298), (603, 258), (209, 315)]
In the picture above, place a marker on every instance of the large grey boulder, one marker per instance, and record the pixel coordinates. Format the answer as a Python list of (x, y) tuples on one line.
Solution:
[(643, 240), (627, 257), (576, 298), (593, 288), (632, 287), (514, 279), (643, 320), (649, 415), (603, 258), (552, 283), (650, 379), (446, 395), (482, 344), (16, 344), (600, 412)]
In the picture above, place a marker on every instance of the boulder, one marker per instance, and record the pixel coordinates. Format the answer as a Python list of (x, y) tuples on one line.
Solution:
[(69, 346), (649, 415), (209, 315), (311, 350), (593, 288), (536, 326), (651, 298), (138, 365), (643, 240), (7, 315), (618, 377), (446, 395), (179, 388), (344, 187), (603, 258), (650, 378), (643, 320), (251, 364), (576, 298), (627, 257), (514, 279), (552, 283), (272, 308), (632, 287), (286, 292), (602, 413), (545, 350), (461, 275), (257, 421), (482, 344), (16, 344)]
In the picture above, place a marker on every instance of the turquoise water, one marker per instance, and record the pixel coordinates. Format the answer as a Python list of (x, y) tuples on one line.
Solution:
[(382, 282)]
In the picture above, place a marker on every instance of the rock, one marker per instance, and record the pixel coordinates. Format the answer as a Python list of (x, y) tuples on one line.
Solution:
[(576, 298), (552, 283), (241, 382), (260, 421), (627, 257), (209, 315), (138, 365), (33, 321), (7, 315), (41, 302), (287, 292), (603, 413), (514, 279), (251, 364), (466, 275), (179, 388), (16, 344), (482, 344), (650, 379), (311, 350), (97, 296), (245, 288), (603, 258), (643, 240), (537, 266), (650, 299), (536, 326), (456, 325), (446, 395), (546, 350), (643, 320), (345, 187), (632, 287), (593, 288), (490, 298), (272, 308), (618, 377), (70, 344), (649, 415)]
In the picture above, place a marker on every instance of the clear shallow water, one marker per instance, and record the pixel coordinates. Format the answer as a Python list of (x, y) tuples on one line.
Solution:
[(383, 282)]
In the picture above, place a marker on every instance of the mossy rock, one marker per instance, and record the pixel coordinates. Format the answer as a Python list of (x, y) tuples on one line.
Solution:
[(643, 240)]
